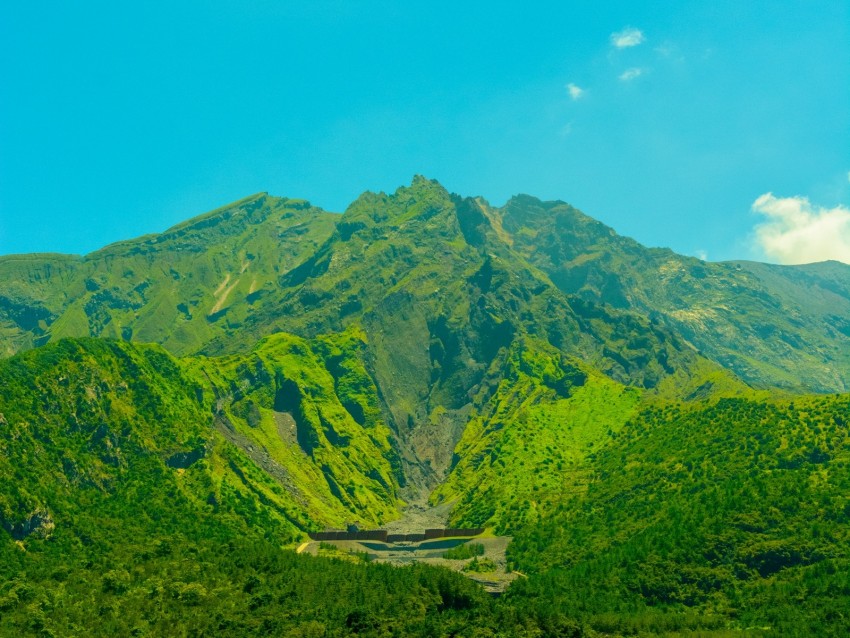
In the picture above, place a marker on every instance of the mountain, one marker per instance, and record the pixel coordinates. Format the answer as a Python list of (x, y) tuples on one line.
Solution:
[(174, 288), (774, 326), (135, 501), (85, 416), (222, 280), (425, 275), (656, 432), (152, 488)]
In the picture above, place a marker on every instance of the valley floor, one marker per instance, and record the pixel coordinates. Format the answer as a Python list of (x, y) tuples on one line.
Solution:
[(493, 574), (494, 578)]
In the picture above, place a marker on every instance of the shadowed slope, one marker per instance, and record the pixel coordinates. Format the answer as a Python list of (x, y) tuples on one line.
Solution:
[(781, 326)]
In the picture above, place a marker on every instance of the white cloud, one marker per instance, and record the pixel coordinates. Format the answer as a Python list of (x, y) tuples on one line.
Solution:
[(631, 74), (795, 232), (575, 91), (628, 37), (701, 254)]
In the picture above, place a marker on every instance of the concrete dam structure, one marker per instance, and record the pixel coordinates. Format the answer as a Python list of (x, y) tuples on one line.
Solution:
[(383, 536)]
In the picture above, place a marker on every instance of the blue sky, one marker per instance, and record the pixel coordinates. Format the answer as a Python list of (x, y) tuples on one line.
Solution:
[(670, 122)]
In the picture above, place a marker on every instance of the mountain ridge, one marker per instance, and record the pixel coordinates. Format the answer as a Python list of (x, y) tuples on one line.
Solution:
[(440, 286)]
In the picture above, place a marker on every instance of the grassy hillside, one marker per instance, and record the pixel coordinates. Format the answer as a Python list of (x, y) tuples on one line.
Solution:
[(160, 492), (181, 288), (308, 412), (424, 277), (525, 446), (549, 379), (439, 287), (538, 421), (772, 325), (440, 299)]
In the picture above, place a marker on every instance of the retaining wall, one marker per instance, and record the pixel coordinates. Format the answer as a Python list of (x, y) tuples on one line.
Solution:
[(384, 537)]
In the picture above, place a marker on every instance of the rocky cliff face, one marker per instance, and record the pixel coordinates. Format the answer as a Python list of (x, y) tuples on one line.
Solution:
[(19, 526)]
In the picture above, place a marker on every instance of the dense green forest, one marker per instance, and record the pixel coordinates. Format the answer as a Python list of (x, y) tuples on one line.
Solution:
[(206, 579), (124, 513), (731, 513)]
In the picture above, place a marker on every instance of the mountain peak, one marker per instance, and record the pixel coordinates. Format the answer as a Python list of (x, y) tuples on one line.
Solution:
[(422, 180), (421, 186), (422, 197)]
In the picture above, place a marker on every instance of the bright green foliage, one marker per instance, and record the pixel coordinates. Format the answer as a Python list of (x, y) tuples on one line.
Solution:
[(431, 279), (440, 299), (539, 371), (735, 511), (466, 550), (439, 284), (107, 426), (201, 584), (126, 509), (311, 413), (526, 445), (480, 565)]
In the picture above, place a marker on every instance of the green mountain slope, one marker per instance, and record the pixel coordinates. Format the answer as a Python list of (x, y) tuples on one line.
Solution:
[(221, 281), (309, 414), (152, 489), (524, 364), (416, 272), (783, 326), (535, 429), (524, 446), (181, 288), (95, 426), (424, 275)]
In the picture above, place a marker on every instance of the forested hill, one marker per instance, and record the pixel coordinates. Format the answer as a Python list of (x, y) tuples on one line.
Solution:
[(705, 516), (152, 489)]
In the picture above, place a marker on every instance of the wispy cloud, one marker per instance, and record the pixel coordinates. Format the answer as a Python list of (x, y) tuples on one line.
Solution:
[(631, 74), (701, 254), (628, 37), (796, 232), (575, 91), (665, 49), (670, 51)]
